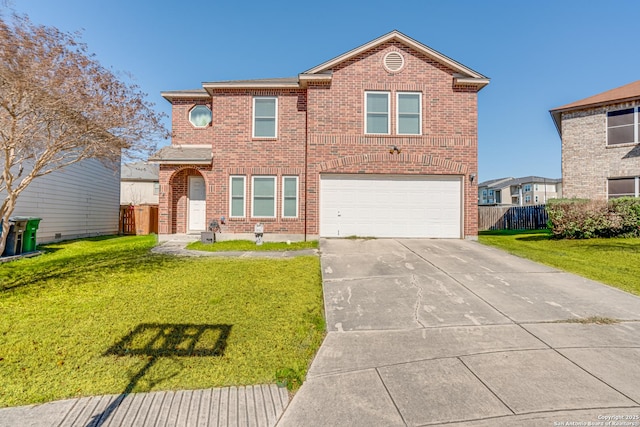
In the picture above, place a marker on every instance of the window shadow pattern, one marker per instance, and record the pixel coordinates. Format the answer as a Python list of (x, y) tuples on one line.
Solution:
[(158, 340)]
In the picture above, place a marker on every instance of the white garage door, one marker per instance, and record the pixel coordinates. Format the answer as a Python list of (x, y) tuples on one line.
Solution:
[(390, 206)]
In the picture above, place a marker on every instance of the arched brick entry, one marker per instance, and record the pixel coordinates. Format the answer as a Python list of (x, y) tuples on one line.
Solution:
[(179, 198)]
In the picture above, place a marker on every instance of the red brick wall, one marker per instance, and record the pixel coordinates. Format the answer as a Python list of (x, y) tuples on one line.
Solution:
[(336, 116), (236, 152), (327, 121), (183, 132)]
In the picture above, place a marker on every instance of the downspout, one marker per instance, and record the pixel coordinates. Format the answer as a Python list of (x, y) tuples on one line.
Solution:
[(306, 164)]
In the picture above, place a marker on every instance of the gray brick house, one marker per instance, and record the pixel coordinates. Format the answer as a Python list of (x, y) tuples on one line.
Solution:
[(601, 144)]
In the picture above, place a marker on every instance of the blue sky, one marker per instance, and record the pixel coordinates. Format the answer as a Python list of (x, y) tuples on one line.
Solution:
[(539, 54)]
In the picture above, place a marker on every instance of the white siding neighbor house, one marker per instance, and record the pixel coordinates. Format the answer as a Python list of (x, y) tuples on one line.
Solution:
[(80, 200), (139, 184)]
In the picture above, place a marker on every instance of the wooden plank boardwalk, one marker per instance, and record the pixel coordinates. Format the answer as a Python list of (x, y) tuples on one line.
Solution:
[(259, 406)]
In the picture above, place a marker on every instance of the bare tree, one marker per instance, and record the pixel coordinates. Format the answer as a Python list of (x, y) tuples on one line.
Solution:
[(59, 106)]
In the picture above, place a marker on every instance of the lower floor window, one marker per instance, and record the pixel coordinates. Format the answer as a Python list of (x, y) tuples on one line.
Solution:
[(289, 196), (237, 197), (264, 196), (623, 187)]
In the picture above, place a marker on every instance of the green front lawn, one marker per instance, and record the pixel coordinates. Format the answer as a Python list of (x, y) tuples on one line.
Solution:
[(615, 261), (105, 315)]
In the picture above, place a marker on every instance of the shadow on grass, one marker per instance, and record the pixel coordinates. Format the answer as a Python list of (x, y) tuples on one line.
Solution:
[(535, 238), (156, 340), (64, 263)]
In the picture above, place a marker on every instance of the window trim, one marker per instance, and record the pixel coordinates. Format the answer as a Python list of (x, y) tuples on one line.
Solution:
[(366, 112), (297, 181), (244, 196), (635, 124), (275, 118), (398, 112), (253, 196), (210, 116)]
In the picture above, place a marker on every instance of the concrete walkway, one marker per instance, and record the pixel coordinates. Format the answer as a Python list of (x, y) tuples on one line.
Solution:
[(175, 245), (435, 332), (231, 406)]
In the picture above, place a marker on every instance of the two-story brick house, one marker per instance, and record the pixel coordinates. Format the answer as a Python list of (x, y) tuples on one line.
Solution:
[(380, 141), (601, 144)]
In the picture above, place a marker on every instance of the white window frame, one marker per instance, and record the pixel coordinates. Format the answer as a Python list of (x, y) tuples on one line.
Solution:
[(275, 130), (636, 126), (244, 196), (366, 112), (253, 196), (527, 188), (195, 107), (398, 112), (285, 177)]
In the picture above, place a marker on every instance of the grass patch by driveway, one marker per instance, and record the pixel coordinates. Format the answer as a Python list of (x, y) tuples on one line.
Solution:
[(248, 245), (102, 316), (614, 261)]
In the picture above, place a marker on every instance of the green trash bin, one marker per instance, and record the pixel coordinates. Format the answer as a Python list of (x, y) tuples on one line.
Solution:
[(29, 238)]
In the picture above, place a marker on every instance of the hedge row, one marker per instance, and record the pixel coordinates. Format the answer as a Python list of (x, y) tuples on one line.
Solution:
[(583, 219)]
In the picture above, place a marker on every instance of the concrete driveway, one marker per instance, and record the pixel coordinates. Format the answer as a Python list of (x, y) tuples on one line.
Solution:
[(430, 332)]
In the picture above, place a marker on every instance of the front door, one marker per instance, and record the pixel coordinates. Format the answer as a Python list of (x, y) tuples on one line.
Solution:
[(197, 204)]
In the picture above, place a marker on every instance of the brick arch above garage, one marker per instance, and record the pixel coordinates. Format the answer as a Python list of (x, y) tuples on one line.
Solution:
[(393, 163)]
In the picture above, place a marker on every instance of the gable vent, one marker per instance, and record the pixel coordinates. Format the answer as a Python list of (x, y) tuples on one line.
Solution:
[(393, 61)]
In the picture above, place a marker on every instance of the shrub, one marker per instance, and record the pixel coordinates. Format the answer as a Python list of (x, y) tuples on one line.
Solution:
[(584, 219)]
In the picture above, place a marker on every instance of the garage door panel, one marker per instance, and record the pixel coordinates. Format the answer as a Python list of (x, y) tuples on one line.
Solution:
[(390, 206)]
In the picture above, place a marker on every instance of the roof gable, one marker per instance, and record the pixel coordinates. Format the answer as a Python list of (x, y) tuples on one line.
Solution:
[(466, 74), (628, 92), (463, 75)]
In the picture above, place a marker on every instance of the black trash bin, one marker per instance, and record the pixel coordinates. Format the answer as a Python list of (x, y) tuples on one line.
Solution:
[(15, 236)]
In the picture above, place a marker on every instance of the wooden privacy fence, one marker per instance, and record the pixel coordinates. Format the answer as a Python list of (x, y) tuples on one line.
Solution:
[(512, 217), (140, 220)]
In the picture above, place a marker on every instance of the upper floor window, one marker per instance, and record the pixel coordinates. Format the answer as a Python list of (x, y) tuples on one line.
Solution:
[(200, 116), (622, 126), (409, 118), (377, 108), (265, 117), (527, 188)]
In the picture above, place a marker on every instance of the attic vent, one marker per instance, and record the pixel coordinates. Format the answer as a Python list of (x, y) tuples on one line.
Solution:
[(393, 61)]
